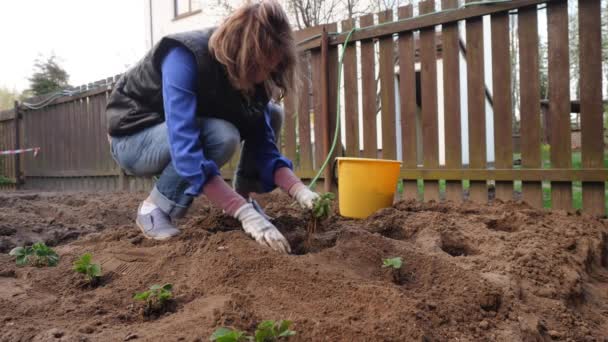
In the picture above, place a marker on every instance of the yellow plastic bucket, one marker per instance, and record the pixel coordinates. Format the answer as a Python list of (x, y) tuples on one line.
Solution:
[(366, 185)]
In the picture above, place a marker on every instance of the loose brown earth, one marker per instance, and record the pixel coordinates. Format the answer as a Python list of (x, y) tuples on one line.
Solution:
[(500, 272)]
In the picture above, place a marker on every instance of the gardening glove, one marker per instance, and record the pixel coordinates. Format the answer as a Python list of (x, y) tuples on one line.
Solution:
[(305, 197), (264, 232)]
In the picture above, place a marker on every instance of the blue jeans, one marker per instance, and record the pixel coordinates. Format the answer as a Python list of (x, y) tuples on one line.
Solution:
[(147, 153)]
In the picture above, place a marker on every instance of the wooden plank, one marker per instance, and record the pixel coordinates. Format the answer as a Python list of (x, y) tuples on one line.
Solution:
[(387, 90), (368, 81), (289, 127), (530, 101), (408, 107), (532, 174), (501, 91), (332, 106), (428, 76), (451, 102), (73, 173), (476, 104), (592, 128), (317, 107), (351, 95), (304, 116), (96, 121), (559, 100), (416, 23), (103, 140)]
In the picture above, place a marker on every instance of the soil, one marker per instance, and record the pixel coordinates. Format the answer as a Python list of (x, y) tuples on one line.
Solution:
[(497, 272)]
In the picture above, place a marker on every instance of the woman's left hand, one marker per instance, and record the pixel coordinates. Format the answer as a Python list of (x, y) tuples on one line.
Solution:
[(305, 197)]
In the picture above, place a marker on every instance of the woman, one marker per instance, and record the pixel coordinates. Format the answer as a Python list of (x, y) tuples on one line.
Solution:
[(184, 109)]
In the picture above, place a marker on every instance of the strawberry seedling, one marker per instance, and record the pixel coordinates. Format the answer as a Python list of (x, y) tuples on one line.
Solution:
[(395, 266), (39, 255), (156, 298), (321, 208), (269, 331), (229, 335), (394, 263), (91, 271)]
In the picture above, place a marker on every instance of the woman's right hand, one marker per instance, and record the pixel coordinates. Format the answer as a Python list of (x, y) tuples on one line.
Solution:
[(259, 228)]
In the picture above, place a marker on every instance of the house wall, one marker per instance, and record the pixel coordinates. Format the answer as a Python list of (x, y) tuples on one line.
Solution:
[(160, 18)]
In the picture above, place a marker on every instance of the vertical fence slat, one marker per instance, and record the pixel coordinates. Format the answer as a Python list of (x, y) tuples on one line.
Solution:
[(530, 101), (591, 101), (501, 91), (318, 124), (451, 102), (368, 81), (289, 127), (351, 95), (428, 76), (387, 90), (304, 116), (332, 93), (408, 108), (476, 104), (559, 100)]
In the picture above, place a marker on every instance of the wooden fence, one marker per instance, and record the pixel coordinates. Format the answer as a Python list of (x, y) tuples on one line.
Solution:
[(413, 41), (75, 153)]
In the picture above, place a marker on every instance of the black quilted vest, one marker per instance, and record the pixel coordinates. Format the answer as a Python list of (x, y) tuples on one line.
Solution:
[(136, 102)]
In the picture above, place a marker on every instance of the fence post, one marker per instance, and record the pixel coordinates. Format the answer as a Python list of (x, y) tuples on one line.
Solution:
[(18, 177)]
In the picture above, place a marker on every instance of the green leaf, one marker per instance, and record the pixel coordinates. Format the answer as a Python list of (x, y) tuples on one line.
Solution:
[(17, 251), (155, 287), (168, 287), (228, 335), (392, 262), (94, 271), (22, 260), (284, 325), (287, 333), (52, 260), (142, 296)]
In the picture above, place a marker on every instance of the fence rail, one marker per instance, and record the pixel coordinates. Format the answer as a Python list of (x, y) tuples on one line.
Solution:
[(402, 77)]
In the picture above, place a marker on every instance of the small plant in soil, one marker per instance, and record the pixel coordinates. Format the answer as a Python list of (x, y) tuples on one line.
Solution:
[(229, 335), (39, 255), (394, 264), (156, 299), (321, 208), (267, 331), (91, 271)]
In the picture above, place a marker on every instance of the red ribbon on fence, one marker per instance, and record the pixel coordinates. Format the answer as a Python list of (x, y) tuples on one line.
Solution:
[(34, 149)]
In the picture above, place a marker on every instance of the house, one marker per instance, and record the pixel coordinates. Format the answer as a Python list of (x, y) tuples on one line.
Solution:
[(164, 17)]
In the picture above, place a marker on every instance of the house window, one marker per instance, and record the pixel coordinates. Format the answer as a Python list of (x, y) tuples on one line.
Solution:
[(185, 8)]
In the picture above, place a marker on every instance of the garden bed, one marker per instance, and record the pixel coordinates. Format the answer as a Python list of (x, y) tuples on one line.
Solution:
[(499, 272)]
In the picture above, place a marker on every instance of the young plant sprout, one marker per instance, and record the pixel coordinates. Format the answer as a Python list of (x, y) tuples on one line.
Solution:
[(39, 254), (229, 335), (155, 298), (267, 331), (394, 263), (320, 210), (91, 271)]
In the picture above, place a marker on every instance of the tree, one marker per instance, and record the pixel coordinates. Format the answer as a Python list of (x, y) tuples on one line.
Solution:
[(8, 97), (48, 76)]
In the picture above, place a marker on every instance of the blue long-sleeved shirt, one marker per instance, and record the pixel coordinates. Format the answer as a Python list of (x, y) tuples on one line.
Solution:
[(179, 77)]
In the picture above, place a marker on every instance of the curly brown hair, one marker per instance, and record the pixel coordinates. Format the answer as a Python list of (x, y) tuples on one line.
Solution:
[(257, 40)]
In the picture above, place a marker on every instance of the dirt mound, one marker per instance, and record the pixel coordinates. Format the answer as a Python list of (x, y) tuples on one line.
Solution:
[(501, 272)]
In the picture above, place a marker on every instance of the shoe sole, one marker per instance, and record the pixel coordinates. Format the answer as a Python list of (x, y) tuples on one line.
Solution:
[(143, 231)]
